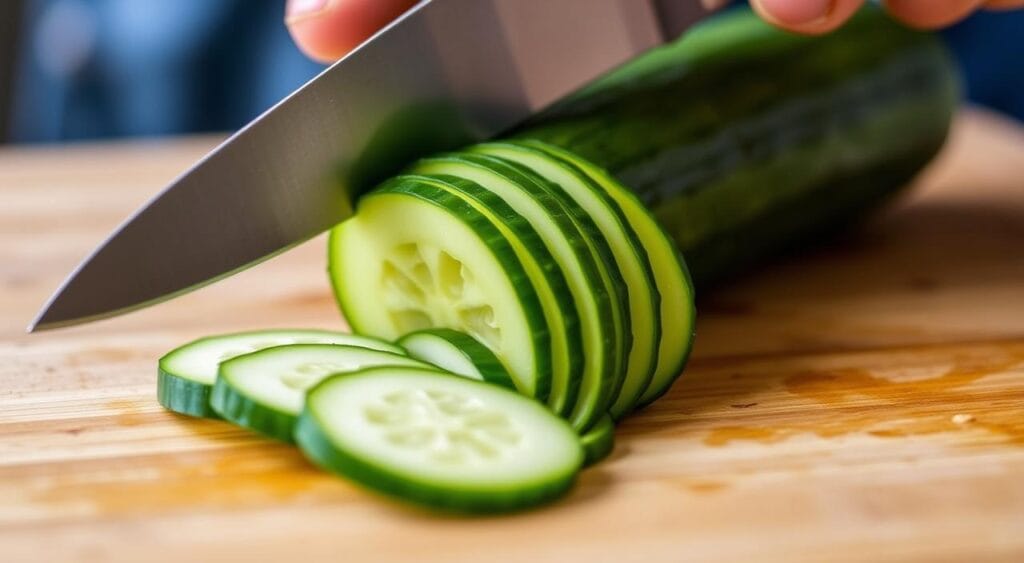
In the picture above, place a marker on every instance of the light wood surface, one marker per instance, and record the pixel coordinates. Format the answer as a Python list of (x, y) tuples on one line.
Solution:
[(864, 401)]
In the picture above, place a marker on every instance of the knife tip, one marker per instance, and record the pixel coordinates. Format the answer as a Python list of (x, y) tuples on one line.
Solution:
[(39, 323)]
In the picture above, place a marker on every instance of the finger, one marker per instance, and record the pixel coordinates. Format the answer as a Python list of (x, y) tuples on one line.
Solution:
[(1004, 4), (930, 14), (807, 16), (328, 29)]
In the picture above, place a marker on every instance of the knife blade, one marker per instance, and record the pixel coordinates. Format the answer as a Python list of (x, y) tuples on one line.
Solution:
[(446, 73)]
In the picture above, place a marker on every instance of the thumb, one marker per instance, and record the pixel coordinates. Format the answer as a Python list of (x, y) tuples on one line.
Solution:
[(328, 29), (807, 16)]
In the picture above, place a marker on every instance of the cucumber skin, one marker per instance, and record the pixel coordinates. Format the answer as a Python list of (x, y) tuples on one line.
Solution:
[(599, 441), (489, 366), (745, 141), (184, 396), (243, 412)]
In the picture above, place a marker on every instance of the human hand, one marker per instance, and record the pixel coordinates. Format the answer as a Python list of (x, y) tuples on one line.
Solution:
[(328, 29), (822, 16)]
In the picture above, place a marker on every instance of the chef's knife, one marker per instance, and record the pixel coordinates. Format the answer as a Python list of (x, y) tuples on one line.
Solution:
[(445, 73)]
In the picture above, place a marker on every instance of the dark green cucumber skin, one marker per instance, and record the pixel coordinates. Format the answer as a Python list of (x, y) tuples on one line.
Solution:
[(489, 366), (183, 396), (744, 140), (242, 411), (598, 442)]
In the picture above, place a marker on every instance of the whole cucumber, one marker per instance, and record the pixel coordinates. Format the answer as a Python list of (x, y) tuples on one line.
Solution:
[(745, 140)]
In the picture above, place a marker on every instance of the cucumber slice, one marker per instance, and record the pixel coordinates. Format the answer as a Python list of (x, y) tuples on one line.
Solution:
[(429, 259), (678, 315), (599, 441), (559, 307), (265, 390), (185, 375), (458, 353), (630, 256), (439, 440), (580, 250)]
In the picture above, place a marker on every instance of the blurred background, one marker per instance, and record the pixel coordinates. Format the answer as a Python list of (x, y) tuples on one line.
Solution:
[(100, 69)]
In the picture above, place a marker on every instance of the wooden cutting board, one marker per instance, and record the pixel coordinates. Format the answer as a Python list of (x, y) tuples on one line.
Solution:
[(864, 401)]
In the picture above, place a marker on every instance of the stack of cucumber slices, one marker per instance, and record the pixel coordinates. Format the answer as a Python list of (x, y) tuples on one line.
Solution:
[(510, 303), (551, 264)]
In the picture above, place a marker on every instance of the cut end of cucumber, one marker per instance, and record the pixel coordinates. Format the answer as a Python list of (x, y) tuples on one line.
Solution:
[(425, 287), (417, 256)]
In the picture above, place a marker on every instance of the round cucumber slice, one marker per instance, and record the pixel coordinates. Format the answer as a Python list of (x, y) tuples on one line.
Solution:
[(439, 440), (556, 297), (630, 256), (580, 250), (678, 314), (265, 390), (458, 353), (415, 256), (599, 441), (185, 375)]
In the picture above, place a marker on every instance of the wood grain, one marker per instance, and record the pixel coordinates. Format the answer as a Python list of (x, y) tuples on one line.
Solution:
[(861, 402)]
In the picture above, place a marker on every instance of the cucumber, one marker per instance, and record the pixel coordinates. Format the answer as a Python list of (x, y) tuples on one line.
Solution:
[(264, 391), (439, 440), (416, 256), (600, 200), (599, 441), (552, 287), (745, 141), (458, 353), (581, 251), (740, 140), (185, 375)]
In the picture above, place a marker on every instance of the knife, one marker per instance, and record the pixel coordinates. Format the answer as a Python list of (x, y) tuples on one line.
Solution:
[(446, 73)]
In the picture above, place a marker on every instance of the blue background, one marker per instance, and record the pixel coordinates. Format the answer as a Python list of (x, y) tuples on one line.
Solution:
[(113, 68)]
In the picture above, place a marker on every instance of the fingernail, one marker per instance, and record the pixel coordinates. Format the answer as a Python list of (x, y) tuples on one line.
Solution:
[(796, 12), (712, 5), (299, 8)]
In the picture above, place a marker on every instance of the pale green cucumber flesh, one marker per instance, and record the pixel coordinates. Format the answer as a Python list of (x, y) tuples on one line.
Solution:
[(265, 390), (429, 259), (439, 440), (549, 282)]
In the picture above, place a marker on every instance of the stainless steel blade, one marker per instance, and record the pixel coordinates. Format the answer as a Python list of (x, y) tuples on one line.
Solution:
[(447, 72)]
